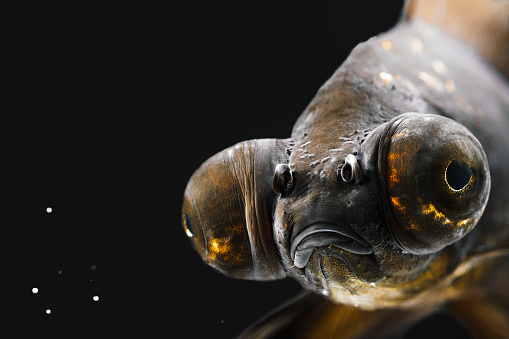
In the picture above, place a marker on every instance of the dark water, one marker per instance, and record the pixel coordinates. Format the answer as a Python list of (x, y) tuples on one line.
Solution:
[(112, 110)]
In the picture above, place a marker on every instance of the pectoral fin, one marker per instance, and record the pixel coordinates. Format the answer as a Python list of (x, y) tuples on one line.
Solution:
[(311, 316), (485, 319)]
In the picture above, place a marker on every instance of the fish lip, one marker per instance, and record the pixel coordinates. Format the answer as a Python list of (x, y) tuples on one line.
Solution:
[(321, 234)]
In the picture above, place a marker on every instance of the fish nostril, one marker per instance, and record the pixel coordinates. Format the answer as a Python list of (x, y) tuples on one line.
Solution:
[(346, 173), (351, 170)]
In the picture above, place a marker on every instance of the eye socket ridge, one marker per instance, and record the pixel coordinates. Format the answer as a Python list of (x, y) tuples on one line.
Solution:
[(283, 181)]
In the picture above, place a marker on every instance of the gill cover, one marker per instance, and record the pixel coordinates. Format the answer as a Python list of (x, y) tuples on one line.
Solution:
[(434, 178), (227, 210)]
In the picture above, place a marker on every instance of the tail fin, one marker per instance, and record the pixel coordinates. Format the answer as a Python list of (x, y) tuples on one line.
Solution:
[(484, 24)]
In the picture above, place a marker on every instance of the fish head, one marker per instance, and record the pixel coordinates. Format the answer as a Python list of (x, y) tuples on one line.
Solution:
[(369, 219)]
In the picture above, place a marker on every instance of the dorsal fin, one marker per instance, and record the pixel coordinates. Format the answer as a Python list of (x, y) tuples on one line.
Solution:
[(484, 24)]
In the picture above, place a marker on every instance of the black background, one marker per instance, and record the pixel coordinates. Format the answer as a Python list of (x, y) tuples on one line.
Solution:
[(110, 112)]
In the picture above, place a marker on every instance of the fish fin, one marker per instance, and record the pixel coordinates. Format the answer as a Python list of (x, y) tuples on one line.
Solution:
[(311, 316), (481, 23), (485, 310), (484, 318)]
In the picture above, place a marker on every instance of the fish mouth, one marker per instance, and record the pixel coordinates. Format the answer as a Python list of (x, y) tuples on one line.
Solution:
[(324, 234)]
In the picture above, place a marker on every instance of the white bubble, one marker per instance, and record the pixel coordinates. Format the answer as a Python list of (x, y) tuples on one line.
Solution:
[(48, 311), (49, 209), (95, 298), (35, 290)]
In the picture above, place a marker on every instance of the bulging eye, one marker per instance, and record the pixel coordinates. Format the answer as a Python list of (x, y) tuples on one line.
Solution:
[(283, 179), (227, 211), (435, 179)]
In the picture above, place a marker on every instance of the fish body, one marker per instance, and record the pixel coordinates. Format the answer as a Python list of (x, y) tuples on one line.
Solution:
[(412, 68), (388, 201)]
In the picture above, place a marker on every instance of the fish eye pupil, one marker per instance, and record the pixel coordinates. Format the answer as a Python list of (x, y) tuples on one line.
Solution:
[(458, 175), (188, 226)]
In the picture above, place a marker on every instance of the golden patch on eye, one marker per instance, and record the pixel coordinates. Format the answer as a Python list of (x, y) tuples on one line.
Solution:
[(394, 165), (218, 246), (397, 204), (432, 210), (222, 248)]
